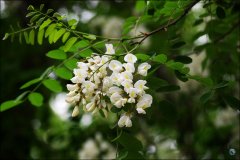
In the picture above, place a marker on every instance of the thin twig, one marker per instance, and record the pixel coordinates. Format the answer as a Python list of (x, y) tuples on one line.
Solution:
[(164, 27)]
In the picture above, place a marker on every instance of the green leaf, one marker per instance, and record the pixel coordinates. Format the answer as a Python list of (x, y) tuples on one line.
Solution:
[(65, 37), (204, 80), (41, 7), (52, 85), (72, 22), (90, 36), (30, 8), (220, 12), (206, 96), (49, 11), (57, 15), (182, 77), (20, 38), (30, 14), (63, 73), (86, 53), (178, 45), (45, 24), (57, 54), (26, 37), (34, 18), (29, 83), (175, 65), (32, 37), (115, 109), (81, 44), (40, 37), (5, 36), (9, 104), (35, 99), (129, 142), (51, 36), (58, 34), (69, 43), (222, 85), (183, 59), (161, 58), (21, 96), (39, 22), (71, 63), (50, 29), (140, 5), (197, 22), (155, 83), (143, 57), (232, 102), (168, 88)]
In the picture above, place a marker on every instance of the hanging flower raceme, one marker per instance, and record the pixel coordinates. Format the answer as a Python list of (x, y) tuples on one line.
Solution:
[(101, 82)]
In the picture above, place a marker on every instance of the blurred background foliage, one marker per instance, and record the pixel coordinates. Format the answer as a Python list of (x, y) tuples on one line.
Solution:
[(199, 121)]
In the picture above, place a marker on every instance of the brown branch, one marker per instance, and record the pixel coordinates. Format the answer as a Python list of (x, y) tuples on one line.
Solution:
[(164, 27)]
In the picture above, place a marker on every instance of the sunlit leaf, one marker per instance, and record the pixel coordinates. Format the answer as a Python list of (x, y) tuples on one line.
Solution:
[(45, 24), (36, 99), (90, 36), (32, 37), (52, 85), (65, 37), (58, 34), (9, 104), (29, 83), (71, 63), (64, 73), (69, 43), (40, 36), (142, 56), (161, 58), (57, 54), (50, 29)]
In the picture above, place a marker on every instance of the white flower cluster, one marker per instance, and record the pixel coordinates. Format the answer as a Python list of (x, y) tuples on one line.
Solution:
[(101, 82), (97, 148)]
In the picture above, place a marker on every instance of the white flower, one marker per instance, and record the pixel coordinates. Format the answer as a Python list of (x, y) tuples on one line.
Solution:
[(125, 121), (110, 49), (88, 86), (118, 100), (116, 78), (90, 106), (144, 102), (106, 83), (140, 85), (80, 75), (143, 68), (82, 65), (141, 111), (132, 94), (127, 75), (115, 89), (129, 67), (130, 58), (115, 66), (127, 84), (71, 94), (69, 100), (72, 87), (75, 111)]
